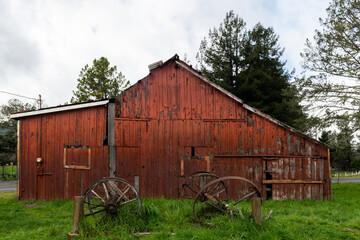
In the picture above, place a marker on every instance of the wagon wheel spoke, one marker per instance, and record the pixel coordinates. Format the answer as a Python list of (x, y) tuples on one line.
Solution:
[(123, 195), (247, 196), (109, 195), (194, 182), (191, 189), (106, 191), (215, 196), (99, 211), (218, 193), (214, 188), (98, 196), (113, 187), (214, 206), (116, 192), (129, 201), (94, 204)]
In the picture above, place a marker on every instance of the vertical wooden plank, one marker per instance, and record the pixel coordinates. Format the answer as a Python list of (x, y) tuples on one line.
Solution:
[(299, 176), (50, 157), (286, 172), (18, 154), (329, 174), (197, 90), (202, 102), (175, 158), (321, 178), (58, 167), (210, 101), (71, 129), (276, 175), (154, 160), (166, 160), (307, 176), (40, 179), (111, 139)]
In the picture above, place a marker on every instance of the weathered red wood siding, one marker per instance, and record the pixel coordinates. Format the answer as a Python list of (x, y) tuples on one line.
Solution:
[(169, 124), (168, 116), (49, 136)]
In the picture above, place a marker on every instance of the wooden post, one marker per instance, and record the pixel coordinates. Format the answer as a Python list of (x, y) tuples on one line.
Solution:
[(328, 160), (207, 159), (77, 215), (256, 209), (111, 139)]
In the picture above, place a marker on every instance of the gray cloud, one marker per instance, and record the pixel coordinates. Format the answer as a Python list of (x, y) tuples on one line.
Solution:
[(18, 53), (44, 44)]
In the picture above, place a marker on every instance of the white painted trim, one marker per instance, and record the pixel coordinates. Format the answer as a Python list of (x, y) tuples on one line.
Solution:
[(58, 109)]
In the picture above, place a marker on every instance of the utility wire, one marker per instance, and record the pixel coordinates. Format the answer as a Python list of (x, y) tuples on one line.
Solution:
[(19, 95)]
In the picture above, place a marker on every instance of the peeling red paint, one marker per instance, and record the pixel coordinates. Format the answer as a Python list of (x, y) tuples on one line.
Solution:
[(171, 119)]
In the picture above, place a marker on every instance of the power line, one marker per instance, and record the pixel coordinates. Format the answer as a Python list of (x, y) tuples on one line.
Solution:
[(19, 95)]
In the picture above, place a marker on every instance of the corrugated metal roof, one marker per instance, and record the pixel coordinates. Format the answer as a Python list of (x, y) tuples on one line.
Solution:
[(58, 109)]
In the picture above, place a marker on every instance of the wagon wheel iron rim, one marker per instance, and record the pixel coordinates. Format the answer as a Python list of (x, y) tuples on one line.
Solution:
[(214, 197), (194, 182), (107, 196)]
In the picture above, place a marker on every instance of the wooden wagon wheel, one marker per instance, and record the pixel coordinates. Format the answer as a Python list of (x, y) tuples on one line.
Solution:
[(214, 196), (194, 182), (109, 195)]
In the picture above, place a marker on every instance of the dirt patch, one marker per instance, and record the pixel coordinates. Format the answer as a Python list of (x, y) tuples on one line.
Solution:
[(33, 205)]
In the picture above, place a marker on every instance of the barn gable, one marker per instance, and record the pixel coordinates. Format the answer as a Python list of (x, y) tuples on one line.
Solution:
[(180, 119)]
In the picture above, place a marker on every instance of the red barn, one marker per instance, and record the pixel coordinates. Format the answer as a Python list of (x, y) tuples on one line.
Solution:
[(172, 122)]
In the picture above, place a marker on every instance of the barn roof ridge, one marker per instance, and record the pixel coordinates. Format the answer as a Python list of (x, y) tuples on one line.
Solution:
[(246, 106)]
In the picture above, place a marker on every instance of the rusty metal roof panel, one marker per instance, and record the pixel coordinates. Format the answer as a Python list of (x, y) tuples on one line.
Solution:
[(58, 109)]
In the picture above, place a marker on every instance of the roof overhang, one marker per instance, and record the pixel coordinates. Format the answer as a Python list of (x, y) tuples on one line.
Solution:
[(58, 109)]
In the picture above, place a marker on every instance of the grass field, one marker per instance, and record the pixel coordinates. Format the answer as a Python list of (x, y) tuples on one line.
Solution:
[(164, 219), (8, 172), (342, 175)]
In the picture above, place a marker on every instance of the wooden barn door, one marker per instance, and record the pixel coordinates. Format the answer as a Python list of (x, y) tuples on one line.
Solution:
[(294, 177), (42, 164)]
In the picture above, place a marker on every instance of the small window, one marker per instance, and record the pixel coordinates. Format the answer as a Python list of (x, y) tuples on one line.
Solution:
[(192, 151), (77, 157)]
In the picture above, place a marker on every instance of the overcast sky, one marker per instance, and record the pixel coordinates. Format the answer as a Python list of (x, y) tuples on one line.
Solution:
[(44, 44)]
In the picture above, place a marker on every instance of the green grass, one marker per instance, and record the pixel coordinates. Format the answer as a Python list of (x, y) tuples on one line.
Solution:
[(8, 172), (173, 219)]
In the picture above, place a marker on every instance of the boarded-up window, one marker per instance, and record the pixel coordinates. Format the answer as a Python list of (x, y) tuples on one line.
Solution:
[(77, 157)]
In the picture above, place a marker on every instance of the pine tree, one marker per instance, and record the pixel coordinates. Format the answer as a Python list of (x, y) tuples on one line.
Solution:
[(98, 82), (249, 65)]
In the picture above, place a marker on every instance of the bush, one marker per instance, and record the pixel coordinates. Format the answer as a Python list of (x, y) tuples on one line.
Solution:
[(355, 164)]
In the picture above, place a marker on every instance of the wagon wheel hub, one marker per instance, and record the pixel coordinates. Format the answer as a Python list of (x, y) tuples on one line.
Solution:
[(202, 198), (111, 208), (107, 195)]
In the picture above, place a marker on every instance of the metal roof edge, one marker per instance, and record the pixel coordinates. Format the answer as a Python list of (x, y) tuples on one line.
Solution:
[(58, 109), (251, 109)]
